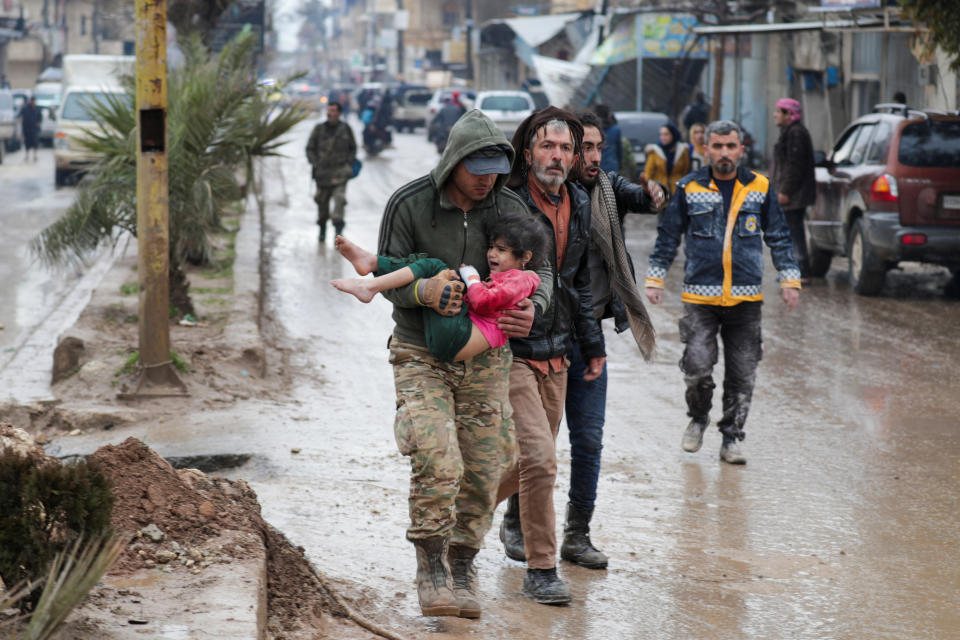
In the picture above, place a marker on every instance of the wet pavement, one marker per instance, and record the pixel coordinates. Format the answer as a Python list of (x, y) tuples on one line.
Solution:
[(38, 302), (845, 523)]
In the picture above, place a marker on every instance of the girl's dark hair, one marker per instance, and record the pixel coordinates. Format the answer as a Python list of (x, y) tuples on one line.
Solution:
[(522, 233)]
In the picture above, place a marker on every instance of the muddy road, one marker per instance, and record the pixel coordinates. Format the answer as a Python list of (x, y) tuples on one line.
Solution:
[(845, 522)]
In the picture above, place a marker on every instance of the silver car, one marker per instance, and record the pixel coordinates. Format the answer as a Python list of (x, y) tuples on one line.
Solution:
[(507, 109), (9, 128)]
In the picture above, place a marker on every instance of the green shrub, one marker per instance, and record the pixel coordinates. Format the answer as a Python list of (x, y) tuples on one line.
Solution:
[(44, 509)]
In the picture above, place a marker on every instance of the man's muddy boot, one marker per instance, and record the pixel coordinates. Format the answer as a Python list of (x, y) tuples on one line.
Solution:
[(545, 586), (730, 452), (323, 230), (693, 436), (464, 580), (338, 227), (434, 585), (511, 535), (577, 547)]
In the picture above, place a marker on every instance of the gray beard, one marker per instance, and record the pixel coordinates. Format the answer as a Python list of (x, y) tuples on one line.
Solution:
[(546, 179)]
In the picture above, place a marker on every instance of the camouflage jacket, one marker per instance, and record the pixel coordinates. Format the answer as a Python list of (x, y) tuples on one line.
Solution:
[(331, 150)]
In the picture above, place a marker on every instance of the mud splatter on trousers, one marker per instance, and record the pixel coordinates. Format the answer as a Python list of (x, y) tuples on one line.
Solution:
[(739, 329)]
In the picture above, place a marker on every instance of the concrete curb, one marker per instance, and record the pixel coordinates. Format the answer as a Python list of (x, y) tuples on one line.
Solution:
[(243, 328)]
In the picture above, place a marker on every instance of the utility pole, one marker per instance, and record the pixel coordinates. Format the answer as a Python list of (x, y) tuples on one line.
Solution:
[(468, 22), (158, 378)]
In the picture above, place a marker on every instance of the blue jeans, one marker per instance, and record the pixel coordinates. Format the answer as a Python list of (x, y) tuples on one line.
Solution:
[(586, 405)]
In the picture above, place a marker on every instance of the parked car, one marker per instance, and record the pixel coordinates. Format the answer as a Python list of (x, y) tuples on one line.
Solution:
[(888, 191), (507, 109), (9, 127), (640, 128), (48, 99), (410, 107)]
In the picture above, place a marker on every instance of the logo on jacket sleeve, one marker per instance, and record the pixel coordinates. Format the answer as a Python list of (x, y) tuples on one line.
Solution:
[(750, 224)]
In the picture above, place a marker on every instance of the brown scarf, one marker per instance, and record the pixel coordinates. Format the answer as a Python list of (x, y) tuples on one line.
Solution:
[(608, 236)]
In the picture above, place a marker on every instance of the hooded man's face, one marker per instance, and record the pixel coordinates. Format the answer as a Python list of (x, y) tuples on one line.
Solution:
[(592, 151), (550, 156)]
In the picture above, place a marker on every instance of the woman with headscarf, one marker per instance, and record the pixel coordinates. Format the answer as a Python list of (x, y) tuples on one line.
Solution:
[(669, 159), (697, 146)]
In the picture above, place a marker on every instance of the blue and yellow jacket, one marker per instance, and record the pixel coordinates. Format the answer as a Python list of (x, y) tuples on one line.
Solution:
[(724, 251)]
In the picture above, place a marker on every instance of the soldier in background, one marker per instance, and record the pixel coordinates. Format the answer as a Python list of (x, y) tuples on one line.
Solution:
[(331, 151)]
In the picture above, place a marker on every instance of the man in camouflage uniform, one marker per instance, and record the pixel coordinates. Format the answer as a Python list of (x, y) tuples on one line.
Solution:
[(453, 418), (331, 151)]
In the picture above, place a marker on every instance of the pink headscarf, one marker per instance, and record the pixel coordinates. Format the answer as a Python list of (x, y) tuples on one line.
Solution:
[(792, 106)]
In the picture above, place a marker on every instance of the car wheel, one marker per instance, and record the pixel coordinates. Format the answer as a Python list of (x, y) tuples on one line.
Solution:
[(866, 273), (60, 177), (818, 258)]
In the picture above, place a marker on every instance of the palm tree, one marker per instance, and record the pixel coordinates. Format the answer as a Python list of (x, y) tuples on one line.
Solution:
[(218, 122)]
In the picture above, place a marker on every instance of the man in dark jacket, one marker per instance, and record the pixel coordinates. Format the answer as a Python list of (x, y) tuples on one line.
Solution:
[(331, 151), (793, 175), (549, 141), (615, 295), (453, 418), (30, 119)]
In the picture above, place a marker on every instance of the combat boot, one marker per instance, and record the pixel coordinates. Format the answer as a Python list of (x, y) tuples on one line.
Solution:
[(464, 580), (434, 585), (577, 547), (511, 535), (545, 586), (338, 227), (323, 230)]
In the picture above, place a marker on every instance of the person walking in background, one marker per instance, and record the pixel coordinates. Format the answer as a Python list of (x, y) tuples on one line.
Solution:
[(30, 118), (549, 141), (793, 176), (669, 159), (453, 418), (697, 112), (696, 146), (612, 152), (615, 295), (331, 151), (736, 212)]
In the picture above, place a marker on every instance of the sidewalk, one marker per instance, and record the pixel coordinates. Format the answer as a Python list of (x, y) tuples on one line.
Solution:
[(227, 598)]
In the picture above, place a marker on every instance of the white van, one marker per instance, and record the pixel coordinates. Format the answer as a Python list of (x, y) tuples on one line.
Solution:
[(87, 79)]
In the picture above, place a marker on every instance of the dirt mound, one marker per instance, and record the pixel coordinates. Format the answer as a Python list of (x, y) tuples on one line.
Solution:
[(176, 515)]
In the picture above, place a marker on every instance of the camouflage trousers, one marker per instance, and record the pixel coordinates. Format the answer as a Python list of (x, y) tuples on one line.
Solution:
[(325, 193), (454, 422)]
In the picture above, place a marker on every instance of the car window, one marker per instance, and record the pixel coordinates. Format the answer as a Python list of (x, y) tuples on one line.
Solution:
[(931, 143), (881, 141), (505, 103), (844, 147), (418, 98), (859, 151), (642, 132), (76, 106)]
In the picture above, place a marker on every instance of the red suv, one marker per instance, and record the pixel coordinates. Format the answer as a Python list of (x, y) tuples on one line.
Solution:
[(889, 191)]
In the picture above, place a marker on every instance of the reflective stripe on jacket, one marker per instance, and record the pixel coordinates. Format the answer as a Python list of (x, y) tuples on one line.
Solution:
[(724, 251)]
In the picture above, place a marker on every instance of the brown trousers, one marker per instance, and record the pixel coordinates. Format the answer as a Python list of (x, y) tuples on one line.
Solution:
[(537, 401)]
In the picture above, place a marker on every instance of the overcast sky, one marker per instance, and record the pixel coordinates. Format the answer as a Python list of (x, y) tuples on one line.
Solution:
[(286, 23)]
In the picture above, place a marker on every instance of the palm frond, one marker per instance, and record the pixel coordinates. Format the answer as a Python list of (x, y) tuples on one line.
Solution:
[(71, 577)]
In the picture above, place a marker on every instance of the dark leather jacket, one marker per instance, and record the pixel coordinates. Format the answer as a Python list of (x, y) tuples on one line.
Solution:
[(570, 313)]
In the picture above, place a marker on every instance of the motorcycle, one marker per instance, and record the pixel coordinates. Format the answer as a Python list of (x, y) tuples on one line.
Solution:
[(375, 139)]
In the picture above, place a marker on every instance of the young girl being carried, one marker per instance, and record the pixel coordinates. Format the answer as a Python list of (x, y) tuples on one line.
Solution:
[(517, 243)]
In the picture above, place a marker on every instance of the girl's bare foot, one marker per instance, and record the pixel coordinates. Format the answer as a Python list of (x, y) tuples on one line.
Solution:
[(358, 287), (361, 259)]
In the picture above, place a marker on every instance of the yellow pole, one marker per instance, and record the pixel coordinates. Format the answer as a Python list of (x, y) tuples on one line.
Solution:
[(157, 375)]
